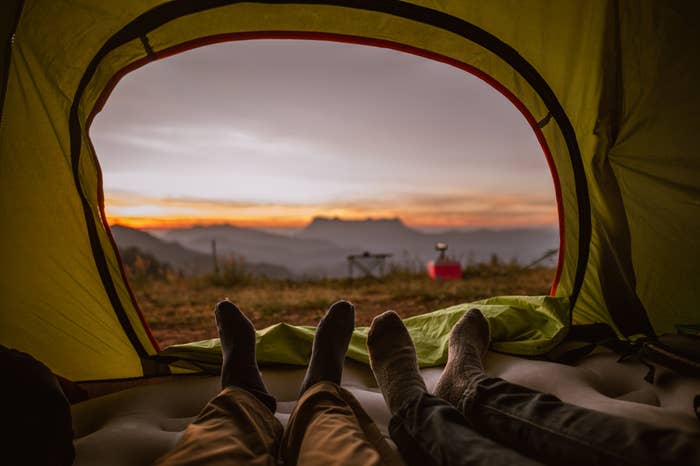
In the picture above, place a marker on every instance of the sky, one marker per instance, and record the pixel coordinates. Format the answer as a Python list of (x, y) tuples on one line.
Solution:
[(270, 133)]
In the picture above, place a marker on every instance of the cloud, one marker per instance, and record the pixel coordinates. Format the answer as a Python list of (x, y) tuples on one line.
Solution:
[(309, 125)]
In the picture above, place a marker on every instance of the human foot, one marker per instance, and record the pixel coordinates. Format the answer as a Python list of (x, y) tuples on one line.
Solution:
[(392, 357), (330, 345), (237, 335), (467, 347)]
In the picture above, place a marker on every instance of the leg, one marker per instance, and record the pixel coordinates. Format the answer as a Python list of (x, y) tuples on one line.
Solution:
[(240, 367), (234, 428), (328, 425), (237, 427), (541, 425), (427, 430)]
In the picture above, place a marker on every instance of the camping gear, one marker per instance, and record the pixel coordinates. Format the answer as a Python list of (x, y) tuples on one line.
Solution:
[(370, 265), (444, 268), (135, 426), (680, 353), (608, 87)]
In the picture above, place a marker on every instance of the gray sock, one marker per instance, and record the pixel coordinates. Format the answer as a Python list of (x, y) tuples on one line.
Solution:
[(469, 341), (392, 357), (331, 342)]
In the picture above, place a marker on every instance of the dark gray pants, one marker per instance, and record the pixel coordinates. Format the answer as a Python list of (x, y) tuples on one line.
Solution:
[(500, 423)]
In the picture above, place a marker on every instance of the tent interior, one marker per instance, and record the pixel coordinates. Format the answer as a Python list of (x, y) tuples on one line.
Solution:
[(608, 88)]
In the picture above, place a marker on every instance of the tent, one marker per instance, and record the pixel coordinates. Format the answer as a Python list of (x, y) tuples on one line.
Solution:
[(608, 86)]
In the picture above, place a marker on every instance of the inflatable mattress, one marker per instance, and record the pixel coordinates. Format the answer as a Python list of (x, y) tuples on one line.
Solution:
[(135, 426)]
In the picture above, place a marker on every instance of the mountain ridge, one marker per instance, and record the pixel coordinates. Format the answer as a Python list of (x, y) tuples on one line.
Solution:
[(321, 248), (181, 258), (393, 236)]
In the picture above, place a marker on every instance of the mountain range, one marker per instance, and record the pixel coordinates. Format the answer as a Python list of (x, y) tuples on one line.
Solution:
[(393, 236), (186, 260), (322, 247)]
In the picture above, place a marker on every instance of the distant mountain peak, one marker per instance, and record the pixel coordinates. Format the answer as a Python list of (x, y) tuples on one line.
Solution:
[(376, 232), (322, 220)]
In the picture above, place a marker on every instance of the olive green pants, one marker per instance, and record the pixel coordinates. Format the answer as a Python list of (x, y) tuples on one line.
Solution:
[(327, 427)]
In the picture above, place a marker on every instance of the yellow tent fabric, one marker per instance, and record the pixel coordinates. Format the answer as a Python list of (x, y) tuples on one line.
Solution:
[(612, 84)]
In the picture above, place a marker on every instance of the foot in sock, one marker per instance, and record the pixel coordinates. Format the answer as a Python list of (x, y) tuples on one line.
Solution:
[(237, 335), (469, 341), (392, 357), (330, 345)]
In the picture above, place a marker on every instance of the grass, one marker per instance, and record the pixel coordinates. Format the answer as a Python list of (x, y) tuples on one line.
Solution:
[(180, 309)]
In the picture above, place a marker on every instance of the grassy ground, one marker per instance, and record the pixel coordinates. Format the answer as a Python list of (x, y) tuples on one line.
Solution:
[(180, 310)]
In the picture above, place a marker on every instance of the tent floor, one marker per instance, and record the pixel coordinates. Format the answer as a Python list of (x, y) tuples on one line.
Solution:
[(135, 426)]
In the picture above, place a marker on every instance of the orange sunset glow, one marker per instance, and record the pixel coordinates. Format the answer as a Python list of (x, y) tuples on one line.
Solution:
[(495, 212)]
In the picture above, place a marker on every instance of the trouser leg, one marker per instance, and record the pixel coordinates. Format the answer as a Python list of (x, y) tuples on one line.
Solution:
[(329, 427), (544, 427), (429, 431), (234, 428)]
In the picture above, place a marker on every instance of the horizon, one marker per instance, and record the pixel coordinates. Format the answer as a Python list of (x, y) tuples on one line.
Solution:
[(273, 133), (295, 229)]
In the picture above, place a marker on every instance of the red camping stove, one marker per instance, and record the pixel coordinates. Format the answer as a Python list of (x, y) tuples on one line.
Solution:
[(444, 268)]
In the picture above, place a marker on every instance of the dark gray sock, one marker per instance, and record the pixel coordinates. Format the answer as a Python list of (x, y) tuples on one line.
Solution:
[(393, 359), (469, 341), (330, 345), (239, 368)]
